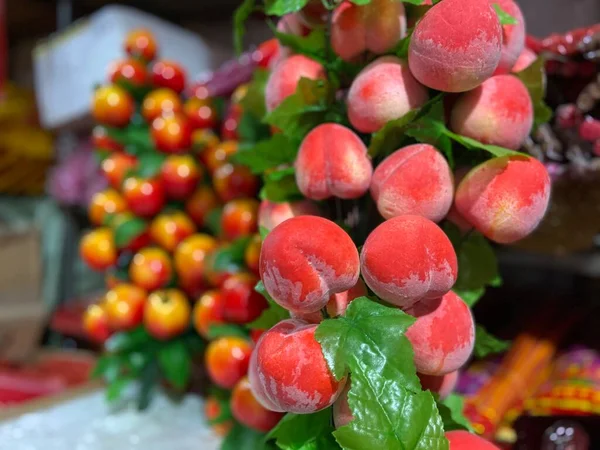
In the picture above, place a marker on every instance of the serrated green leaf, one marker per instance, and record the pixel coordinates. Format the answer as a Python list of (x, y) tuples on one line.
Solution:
[(127, 341), (231, 255), (267, 154), (487, 344), (217, 331), (175, 364), (254, 100), (304, 432), (451, 410), (240, 16), (243, 438), (534, 79), (129, 230), (270, 316), (283, 7), (503, 16), (149, 164), (314, 45)]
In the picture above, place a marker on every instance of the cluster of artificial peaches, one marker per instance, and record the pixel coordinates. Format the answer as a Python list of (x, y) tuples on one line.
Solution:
[(311, 267)]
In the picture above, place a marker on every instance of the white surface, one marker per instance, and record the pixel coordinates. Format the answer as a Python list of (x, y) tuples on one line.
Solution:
[(85, 423), (69, 64)]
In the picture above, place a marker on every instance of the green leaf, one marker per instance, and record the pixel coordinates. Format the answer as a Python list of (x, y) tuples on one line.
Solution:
[(401, 48), (135, 138), (231, 255), (115, 389), (148, 381), (305, 432), (251, 130), (313, 45), (194, 343), (470, 296), (127, 341), (223, 397), (534, 78), (505, 18), (472, 144), (242, 438), (217, 331), (267, 154), (283, 7), (302, 111), (175, 363), (264, 231), (129, 230), (280, 186), (451, 410), (240, 16), (213, 221), (254, 100), (390, 409), (149, 164), (270, 316), (103, 365), (487, 344)]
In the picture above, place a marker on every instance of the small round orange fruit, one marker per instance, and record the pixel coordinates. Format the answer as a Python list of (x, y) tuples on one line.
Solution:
[(95, 323), (169, 229), (125, 306), (97, 249), (208, 311), (141, 44), (167, 313), (112, 105), (160, 102), (227, 360), (151, 269), (104, 203)]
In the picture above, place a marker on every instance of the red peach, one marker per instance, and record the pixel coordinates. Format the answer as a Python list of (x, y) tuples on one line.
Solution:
[(305, 260), (413, 180), (241, 303), (313, 317), (453, 215), (248, 411), (332, 162), (285, 77), (227, 360), (408, 259), (342, 414), (288, 372), (384, 90), (443, 385), (456, 45), (513, 36), (271, 214), (505, 198), (338, 303), (375, 27), (499, 112), (463, 440), (525, 59), (443, 335), (239, 218)]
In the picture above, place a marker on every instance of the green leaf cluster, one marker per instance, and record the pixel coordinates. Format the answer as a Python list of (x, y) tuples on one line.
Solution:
[(270, 316), (534, 78), (305, 432), (487, 344)]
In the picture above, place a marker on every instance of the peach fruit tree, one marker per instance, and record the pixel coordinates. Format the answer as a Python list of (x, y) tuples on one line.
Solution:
[(387, 137)]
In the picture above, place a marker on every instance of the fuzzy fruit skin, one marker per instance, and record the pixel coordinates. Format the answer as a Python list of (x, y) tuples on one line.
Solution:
[(375, 27), (442, 385), (141, 44), (252, 254), (239, 218), (214, 157), (125, 306), (127, 72), (288, 372), (169, 229), (116, 166), (103, 203), (443, 335), (513, 36), (271, 214), (232, 181), (145, 197), (342, 414), (227, 360), (285, 77), (338, 303), (160, 102), (248, 411), (305, 260), (505, 198), (413, 180), (172, 134), (97, 249), (332, 162), (151, 269), (242, 304), (201, 113), (212, 411), (408, 259), (463, 440), (200, 204), (180, 175), (208, 311), (384, 90), (525, 59), (168, 74), (167, 314), (456, 46), (95, 323), (102, 141), (499, 112), (112, 105), (190, 256)]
